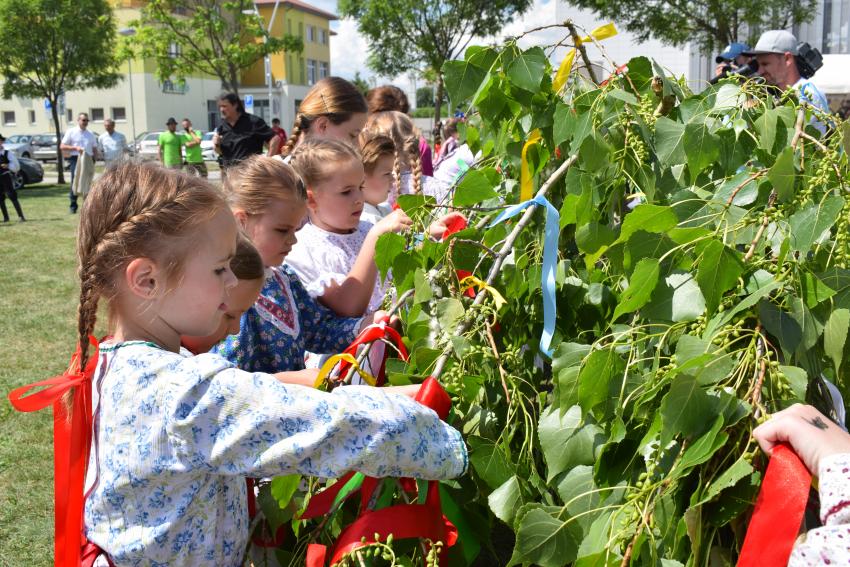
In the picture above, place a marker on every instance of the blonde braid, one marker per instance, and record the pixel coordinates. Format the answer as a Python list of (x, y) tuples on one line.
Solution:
[(411, 146), (293, 135), (396, 175)]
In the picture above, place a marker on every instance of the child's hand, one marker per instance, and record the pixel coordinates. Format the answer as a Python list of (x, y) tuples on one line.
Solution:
[(379, 316), (396, 221), (812, 435), (439, 227), (306, 377), (410, 391)]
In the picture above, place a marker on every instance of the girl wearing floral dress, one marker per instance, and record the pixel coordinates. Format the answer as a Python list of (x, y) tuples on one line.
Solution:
[(175, 434)]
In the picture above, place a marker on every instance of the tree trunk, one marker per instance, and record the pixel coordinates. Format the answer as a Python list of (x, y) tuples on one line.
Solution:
[(60, 166), (438, 107)]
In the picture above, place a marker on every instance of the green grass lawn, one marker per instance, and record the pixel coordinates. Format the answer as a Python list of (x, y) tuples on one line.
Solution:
[(38, 300)]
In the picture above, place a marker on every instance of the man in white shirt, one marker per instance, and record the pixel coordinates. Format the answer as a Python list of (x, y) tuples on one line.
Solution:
[(111, 144), (776, 53), (9, 166), (76, 141)]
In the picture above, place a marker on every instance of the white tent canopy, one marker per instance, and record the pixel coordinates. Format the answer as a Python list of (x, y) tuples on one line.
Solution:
[(834, 77)]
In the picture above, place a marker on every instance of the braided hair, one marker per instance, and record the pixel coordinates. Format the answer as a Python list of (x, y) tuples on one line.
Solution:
[(400, 129)]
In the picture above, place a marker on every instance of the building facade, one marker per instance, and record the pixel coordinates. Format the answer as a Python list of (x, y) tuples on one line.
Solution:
[(142, 103)]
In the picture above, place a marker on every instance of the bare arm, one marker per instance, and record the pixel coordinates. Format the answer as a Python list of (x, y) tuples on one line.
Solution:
[(274, 146)]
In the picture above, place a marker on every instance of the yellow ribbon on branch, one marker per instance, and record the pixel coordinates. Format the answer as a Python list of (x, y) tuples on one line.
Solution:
[(526, 182), (600, 33), (481, 285), (330, 363)]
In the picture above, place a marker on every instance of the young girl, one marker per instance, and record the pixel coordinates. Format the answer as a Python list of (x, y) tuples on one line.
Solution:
[(173, 433), (408, 165), (267, 199), (333, 108), (390, 97), (378, 154), (335, 253)]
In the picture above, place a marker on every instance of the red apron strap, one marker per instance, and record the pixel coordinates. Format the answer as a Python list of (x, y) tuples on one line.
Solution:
[(778, 511)]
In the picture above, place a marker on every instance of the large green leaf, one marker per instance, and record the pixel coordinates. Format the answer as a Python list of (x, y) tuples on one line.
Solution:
[(600, 368), (650, 218), (669, 141), (835, 336), (678, 299), (594, 237), (641, 285), (526, 70), (544, 538), (489, 461), (809, 224), (565, 442), (473, 188), (783, 174), (389, 246), (718, 272), (462, 79), (686, 409), (702, 148), (506, 500), (781, 325)]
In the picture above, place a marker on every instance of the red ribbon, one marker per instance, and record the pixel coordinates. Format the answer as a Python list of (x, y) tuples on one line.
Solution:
[(778, 512), (455, 224), (370, 334), (72, 433), (402, 520)]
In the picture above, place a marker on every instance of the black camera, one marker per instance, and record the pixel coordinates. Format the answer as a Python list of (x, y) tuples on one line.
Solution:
[(808, 59), (742, 72)]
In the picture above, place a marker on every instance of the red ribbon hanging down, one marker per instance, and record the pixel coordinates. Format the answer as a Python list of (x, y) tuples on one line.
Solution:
[(778, 512), (376, 332), (402, 520), (72, 435)]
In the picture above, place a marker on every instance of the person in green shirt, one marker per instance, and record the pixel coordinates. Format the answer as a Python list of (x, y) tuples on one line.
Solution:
[(192, 142), (170, 144)]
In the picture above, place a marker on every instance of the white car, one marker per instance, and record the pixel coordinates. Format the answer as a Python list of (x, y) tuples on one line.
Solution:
[(20, 145), (207, 147), (147, 148)]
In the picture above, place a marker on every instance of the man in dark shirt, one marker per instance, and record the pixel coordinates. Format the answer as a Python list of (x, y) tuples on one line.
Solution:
[(240, 134)]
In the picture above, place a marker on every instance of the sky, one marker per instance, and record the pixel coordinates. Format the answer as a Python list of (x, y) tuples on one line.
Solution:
[(349, 49)]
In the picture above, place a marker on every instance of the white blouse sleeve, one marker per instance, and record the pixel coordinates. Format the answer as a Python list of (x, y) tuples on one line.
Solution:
[(227, 421), (830, 544), (318, 263)]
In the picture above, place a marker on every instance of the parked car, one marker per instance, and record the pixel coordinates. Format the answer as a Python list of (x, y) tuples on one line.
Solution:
[(20, 145), (44, 147), (31, 172), (147, 147), (207, 150)]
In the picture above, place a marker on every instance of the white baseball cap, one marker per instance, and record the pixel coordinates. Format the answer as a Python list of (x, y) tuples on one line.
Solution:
[(775, 41)]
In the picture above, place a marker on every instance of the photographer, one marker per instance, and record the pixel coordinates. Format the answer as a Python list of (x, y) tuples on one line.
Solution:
[(784, 63), (731, 60)]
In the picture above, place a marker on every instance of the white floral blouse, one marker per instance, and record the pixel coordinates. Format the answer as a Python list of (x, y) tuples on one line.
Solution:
[(175, 435), (322, 259)]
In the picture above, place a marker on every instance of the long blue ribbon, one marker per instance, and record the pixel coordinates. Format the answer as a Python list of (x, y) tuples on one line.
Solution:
[(550, 260)]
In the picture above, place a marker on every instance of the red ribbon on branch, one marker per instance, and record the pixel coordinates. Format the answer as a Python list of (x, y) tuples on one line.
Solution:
[(778, 512), (72, 433), (401, 520), (372, 333)]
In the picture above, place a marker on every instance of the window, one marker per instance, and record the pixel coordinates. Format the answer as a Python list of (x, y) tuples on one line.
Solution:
[(96, 115), (261, 109), (119, 114), (8, 118), (301, 65), (69, 115), (323, 36), (32, 117), (324, 69), (290, 69), (311, 71), (174, 50), (836, 26), (311, 33), (301, 29), (289, 27)]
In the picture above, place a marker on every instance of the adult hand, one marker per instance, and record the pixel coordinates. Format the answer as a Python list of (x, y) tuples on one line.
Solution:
[(811, 434)]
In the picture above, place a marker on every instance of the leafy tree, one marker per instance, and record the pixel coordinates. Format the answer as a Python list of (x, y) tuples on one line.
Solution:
[(54, 46), (710, 24), (212, 37), (406, 35), (424, 96), (361, 84)]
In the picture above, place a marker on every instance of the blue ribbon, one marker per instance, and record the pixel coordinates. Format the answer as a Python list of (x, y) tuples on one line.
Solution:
[(550, 260)]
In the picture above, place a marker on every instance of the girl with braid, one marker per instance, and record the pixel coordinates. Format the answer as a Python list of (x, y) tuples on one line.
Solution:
[(408, 165), (175, 434), (333, 108)]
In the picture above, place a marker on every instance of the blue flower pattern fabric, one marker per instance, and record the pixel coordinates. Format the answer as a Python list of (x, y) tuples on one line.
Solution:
[(175, 435), (282, 325)]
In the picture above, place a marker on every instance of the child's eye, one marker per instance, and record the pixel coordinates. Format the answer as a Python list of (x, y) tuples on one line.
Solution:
[(283, 230), (220, 271)]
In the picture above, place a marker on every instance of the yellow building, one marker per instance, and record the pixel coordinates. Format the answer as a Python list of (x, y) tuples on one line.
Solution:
[(141, 103)]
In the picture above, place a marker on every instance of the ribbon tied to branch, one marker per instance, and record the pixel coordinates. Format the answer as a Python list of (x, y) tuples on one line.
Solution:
[(600, 33)]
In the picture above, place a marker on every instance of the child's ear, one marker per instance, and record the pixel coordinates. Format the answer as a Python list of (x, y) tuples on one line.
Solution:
[(311, 199), (142, 277), (320, 124), (241, 219)]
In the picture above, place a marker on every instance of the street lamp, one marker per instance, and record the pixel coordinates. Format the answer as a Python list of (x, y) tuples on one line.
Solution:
[(127, 32)]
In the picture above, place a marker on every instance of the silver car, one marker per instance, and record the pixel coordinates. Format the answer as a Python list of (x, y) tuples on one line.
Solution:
[(20, 145), (44, 147)]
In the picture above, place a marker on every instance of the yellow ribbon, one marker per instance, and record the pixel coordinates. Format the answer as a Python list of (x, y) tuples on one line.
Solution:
[(600, 33), (472, 281), (526, 182), (330, 363)]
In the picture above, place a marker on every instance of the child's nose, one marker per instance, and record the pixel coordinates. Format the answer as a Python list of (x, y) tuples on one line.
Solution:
[(230, 279)]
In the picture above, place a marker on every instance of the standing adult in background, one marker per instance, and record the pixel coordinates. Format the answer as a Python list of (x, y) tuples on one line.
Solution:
[(111, 144), (76, 141), (240, 134), (776, 53), (192, 142), (731, 58), (390, 97), (9, 166), (279, 132), (170, 144)]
